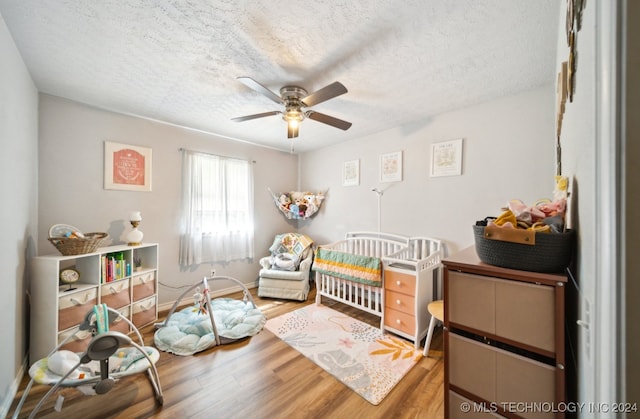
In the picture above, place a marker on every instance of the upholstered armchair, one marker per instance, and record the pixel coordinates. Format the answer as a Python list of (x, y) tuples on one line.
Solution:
[(285, 273)]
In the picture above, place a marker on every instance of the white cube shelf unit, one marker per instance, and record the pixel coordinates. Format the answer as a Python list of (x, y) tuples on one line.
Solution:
[(107, 276)]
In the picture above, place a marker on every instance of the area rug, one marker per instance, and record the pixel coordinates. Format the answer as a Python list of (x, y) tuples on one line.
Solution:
[(362, 357)]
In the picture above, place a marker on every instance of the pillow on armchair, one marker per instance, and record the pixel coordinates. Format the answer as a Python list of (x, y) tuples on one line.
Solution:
[(287, 251), (285, 262)]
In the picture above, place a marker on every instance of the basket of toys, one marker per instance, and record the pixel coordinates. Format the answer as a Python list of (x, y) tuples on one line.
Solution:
[(530, 238), (70, 241)]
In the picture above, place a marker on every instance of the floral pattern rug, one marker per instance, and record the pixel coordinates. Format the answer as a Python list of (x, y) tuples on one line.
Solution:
[(362, 357)]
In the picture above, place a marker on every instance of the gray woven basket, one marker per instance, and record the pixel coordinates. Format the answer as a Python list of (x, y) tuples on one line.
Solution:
[(551, 253)]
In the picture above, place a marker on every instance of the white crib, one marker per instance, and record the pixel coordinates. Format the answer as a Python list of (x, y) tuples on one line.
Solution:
[(419, 256)]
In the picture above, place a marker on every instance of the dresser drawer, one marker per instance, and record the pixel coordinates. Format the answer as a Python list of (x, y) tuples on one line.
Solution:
[(77, 343), (121, 325), (472, 366), (401, 302), (471, 301), (498, 375), (400, 282), (72, 308), (144, 312), (401, 321), (518, 311), (144, 285), (116, 294)]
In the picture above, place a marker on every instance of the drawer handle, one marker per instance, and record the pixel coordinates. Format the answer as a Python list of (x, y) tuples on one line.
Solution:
[(398, 283), (81, 335), (114, 290), (144, 279), (143, 308), (87, 297), (398, 302), (398, 321)]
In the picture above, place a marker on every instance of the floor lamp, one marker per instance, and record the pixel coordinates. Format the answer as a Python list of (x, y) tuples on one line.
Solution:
[(379, 193)]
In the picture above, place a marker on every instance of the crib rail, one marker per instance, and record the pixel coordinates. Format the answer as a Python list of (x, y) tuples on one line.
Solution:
[(421, 252), (366, 246), (364, 297)]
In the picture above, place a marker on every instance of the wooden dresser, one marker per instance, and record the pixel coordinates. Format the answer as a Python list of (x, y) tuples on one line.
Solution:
[(503, 340)]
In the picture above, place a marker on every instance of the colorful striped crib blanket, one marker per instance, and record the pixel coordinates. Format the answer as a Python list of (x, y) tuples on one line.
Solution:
[(358, 268)]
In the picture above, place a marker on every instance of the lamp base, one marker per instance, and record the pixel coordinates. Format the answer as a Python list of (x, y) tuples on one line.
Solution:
[(134, 243)]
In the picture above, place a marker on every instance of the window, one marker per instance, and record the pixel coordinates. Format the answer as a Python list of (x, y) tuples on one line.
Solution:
[(217, 209)]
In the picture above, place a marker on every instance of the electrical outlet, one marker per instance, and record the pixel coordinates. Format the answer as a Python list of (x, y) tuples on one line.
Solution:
[(212, 273)]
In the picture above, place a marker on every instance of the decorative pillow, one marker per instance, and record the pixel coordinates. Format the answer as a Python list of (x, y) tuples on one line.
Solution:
[(285, 262), (294, 243)]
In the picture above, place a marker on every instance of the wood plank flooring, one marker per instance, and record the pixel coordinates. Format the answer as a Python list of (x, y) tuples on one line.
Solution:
[(259, 377)]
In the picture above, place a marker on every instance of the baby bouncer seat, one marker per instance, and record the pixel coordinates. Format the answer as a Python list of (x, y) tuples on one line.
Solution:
[(91, 370)]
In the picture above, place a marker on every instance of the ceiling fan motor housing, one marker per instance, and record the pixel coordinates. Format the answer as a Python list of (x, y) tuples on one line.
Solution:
[(292, 103)]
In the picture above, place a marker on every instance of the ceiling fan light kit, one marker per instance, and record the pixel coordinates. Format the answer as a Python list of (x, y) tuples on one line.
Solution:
[(295, 99)]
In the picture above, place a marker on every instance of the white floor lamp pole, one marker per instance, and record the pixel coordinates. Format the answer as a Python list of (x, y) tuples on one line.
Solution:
[(379, 193)]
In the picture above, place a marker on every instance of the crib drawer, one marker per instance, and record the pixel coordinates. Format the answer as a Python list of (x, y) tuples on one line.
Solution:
[(400, 282), (144, 312), (78, 343), (116, 294), (144, 285), (401, 302), (119, 324), (403, 322), (74, 307)]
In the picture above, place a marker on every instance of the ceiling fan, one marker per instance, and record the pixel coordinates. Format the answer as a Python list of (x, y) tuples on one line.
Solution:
[(295, 100)]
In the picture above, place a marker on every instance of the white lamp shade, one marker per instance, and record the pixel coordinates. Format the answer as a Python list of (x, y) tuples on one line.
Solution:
[(135, 216)]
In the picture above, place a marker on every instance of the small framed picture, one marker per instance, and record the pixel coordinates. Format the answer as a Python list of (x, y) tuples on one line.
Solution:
[(127, 167), (446, 158), (391, 167), (351, 173)]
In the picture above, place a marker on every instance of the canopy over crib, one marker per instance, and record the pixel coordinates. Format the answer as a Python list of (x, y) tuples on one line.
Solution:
[(297, 205)]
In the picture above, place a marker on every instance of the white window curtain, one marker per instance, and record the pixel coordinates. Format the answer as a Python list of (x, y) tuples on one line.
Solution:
[(217, 209)]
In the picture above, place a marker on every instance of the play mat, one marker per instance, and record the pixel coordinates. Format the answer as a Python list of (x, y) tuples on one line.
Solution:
[(209, 322), (298, 205)]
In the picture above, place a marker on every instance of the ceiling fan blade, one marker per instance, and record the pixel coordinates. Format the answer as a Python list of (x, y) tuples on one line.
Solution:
[(292, 132), (329, 120), (326, 93), (252, 84), (254, 116)]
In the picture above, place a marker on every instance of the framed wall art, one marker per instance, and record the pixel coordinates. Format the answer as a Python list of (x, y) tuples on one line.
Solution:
[(351, 173), (127, 167), (391, 167), (446, 158)]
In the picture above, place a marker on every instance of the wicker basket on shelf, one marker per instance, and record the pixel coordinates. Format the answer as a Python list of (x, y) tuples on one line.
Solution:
[(70, 246)]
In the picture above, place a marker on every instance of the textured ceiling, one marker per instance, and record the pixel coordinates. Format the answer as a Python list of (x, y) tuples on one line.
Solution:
[(178, 60)]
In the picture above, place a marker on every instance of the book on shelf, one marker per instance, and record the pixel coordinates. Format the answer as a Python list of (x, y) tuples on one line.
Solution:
[(114, 266)]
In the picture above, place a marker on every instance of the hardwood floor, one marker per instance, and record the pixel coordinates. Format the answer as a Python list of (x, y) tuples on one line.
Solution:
[(259, 377)]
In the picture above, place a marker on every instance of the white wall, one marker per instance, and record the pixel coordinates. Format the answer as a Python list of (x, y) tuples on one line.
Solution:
[(18, 186), (578, 141), (508, 153), (71, 185)]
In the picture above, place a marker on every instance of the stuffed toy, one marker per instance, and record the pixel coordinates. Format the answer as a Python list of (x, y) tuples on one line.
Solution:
[(284, 201)]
